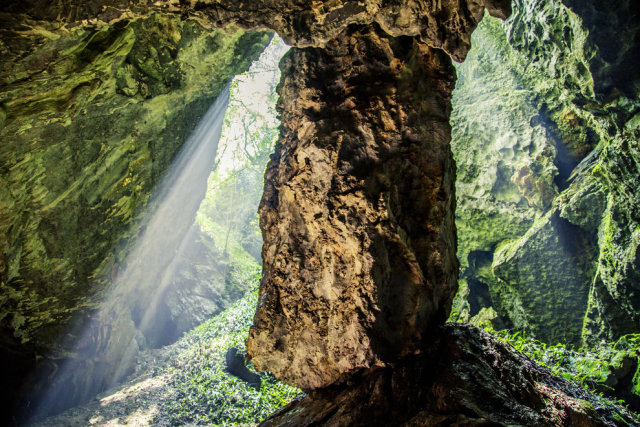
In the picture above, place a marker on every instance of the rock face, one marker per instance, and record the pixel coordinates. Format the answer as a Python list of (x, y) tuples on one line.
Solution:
[(598, 116), (464, 378), (357, 214), (546, 230), (91, 118), (557, 296), (443, 24)]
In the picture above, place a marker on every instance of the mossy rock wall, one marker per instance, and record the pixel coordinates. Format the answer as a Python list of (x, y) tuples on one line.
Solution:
[(91, 116), (545, 137)]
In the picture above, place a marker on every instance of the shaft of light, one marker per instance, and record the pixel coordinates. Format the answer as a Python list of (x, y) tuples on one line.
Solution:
[(107, 346)]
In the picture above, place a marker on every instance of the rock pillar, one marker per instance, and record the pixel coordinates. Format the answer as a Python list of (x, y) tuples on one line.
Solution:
[(358, 209)]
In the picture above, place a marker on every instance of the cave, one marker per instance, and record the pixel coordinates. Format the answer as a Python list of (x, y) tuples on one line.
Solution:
[(448, 226)]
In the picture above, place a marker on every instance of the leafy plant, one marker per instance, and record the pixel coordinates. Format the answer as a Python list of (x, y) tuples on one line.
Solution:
[(596, 369), (203, 392)]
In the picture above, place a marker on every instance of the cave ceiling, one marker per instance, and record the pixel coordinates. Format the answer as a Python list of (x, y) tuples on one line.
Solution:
[(444, 24)]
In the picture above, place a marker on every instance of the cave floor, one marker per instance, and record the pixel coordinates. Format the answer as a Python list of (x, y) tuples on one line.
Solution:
[(134, 403)]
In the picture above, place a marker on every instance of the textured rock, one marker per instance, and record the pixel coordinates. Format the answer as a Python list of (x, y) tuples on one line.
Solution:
[(87, 135), (543, 279), (594, 117), (92, 117), (357, 214), (359, 236), (556, 111), (444, 24), (597, 86), (614, 302), (464, 378), (92, 87), (505, 162), (614, 32)]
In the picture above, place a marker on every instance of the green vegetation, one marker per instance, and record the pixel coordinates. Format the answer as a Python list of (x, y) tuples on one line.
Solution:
[(228, 215), (609, 370), (186, 382), (546, 182), (203, 392)]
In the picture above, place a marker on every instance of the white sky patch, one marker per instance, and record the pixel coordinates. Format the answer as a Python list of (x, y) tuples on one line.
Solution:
[(251, 107)]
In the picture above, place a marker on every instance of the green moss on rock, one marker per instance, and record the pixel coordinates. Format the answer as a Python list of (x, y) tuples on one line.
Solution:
[(92, 117), (549, 271), (545, 138)]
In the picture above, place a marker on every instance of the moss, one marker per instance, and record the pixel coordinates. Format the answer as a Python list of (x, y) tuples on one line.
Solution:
[(549, 269), (533, 139), (460, 305), (485, 318), (85, 143)]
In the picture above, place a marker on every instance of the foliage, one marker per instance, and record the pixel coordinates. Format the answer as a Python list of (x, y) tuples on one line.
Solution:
[(228, 214), (595, 369), (204, 393)]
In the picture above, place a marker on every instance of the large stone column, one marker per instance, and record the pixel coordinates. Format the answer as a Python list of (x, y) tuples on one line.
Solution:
[(358, 210)]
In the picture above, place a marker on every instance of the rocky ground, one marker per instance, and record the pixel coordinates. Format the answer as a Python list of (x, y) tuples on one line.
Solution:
[(133, 404), (466, 377), (186, 383), (471, 364)]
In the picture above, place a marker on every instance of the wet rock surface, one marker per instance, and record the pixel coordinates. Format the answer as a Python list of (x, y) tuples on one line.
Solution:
[(357, 214), (123, 59), (464, 378), (128, 60)]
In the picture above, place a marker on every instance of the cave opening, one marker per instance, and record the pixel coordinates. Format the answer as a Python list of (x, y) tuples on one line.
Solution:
[(197, 251), (479, 295), (546, 236)]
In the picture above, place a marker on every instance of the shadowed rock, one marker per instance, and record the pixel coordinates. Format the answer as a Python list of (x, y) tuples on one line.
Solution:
[(464, 378), (235, 365)]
